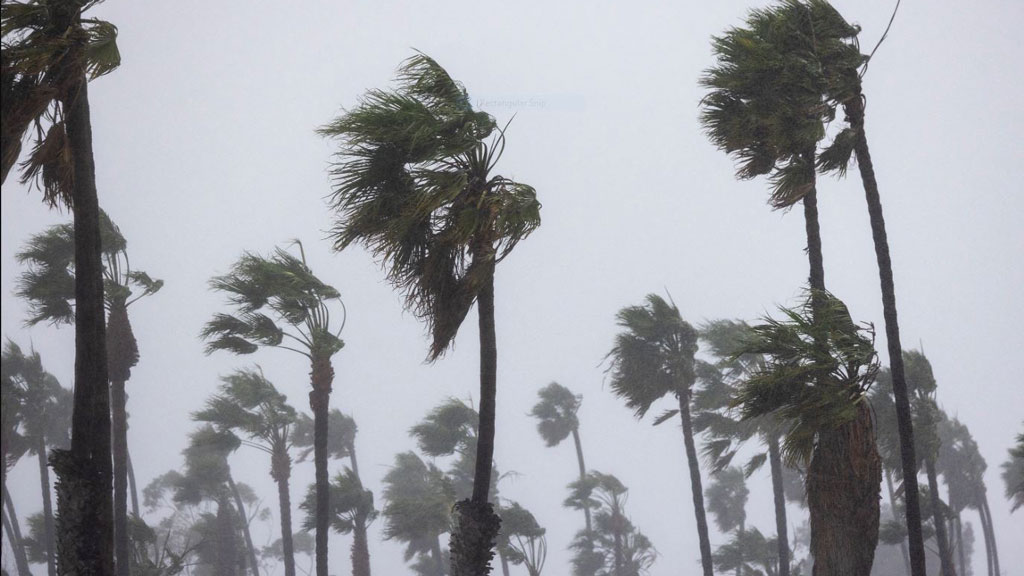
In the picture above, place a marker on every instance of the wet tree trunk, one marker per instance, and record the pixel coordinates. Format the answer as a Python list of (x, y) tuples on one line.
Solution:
[(85, 519), (48, 527), (360, 549), (895, 516), (244, 523), (855, 115), (13, 530), (781, 525), (122, 546), (583, 473), (132, 486), (322, 378), (991, 533), (695, 484), (281, 471), (476, 525), (941, 538)]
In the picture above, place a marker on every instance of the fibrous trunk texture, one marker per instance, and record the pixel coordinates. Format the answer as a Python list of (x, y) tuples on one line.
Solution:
[(322, 378), (696, 486), (280, 469), (781, 525), (908, 459), (472, 541)]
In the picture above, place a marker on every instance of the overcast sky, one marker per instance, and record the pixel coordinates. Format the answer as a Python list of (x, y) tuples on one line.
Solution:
[(205, 147)]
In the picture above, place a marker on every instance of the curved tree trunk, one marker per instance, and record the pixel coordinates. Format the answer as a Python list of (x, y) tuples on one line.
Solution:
[(695, 484), (583, 474), (48, 528), (988, 540), (855, 115), (991, 533), (941, 538), (13, 530), (243, 519), (360, 549), (122, 546), (321, 377), (781, 525), (475, 523), (895, 516), (85, 520), (132, 487)]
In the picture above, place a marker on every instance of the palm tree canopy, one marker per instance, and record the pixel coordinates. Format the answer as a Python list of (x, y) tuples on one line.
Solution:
[(727, 498), (206, 465), (413, 184), (749, 552), (47, 48), (349, 502), (43, 405), (274, 298), (555, 412), (1013, 474), (961, 464), (48, 282), (447, 429), (418, 499), (341, 434), (249, 404), (653, 355), (819, 366)]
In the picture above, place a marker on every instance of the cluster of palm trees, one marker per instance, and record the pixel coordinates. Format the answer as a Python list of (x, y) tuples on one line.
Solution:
[(415, 182)]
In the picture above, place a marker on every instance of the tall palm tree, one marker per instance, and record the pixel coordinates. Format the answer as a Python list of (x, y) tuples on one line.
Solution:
[(555, 412), (247, 404), (819, 365), (48, 286), (46, 423), (418, 500), (727, 501), (352, 511), (1013, 474), (653, 357), (279, 303), (414, 184), (962, 468), (50, 50)]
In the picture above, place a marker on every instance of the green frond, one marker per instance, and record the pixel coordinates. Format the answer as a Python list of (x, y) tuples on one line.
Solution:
[(447, 429)]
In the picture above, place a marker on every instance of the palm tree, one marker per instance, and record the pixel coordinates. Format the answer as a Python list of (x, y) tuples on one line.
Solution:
[(418, 500), (49, 52), (280, 303), (749, 552), (352, 511), (819, 365), (1013, 474), (555, 412), (14, 447), (414, 185), (615, 547), (522, 540), (249, 405), (654, 356), (727, 501), (45, 409), (48, 286), (724, 432), (963, 470)]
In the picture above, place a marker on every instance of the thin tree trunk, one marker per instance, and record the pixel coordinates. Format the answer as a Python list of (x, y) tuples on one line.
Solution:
[(960, 546), (122, 546), (781, 525), (435, 552), (321, 377), (85, 488), (13, 530), (476, 525), (695, 484), (284, 500), (583, 473), (352, 459), (855, 115), (988, 539), (131, 484), (360, 549), (895, 516), (992, 533), (816, 278), (941, 538), (227, 547), (504, 564), (48, 527), (617, 560), (244, 521)]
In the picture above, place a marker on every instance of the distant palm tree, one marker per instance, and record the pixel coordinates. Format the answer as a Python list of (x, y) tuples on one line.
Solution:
[(727, 501), (555, 412), (14, 447), (1013, 474), (418, 499), (522, 540), (819, 366), (414, 183), (50, 50), (279, 303), (653, 357), (45, 409), (963, 468), (247, 404), (749, 552), (615, 547), (48, 286), (352, 511)]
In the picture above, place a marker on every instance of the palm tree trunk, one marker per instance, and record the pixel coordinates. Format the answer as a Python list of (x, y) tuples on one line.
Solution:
[(227, 547), (85, 521), (960, 546), (244, 522), (133, 488), (321, 377), (695, 484), (991, 533), (360, 549), (941, 538), (855, 115), (895, 516), (48, 528), (816, 278), (476, 524), (284, 500), (122, 547), (583, 473), (13, 530), (781, 525), (435, 553), (504, 564)]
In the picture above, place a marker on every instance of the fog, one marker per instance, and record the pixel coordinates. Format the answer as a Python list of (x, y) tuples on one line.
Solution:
[(205, 147)]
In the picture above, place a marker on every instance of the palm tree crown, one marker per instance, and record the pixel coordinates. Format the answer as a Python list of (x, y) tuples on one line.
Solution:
[(555, 412)]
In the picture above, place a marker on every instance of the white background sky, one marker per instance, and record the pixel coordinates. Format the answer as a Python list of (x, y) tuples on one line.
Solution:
[(205, 147)]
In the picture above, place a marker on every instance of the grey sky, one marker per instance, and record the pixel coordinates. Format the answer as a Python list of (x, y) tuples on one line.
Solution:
[(205, 148)]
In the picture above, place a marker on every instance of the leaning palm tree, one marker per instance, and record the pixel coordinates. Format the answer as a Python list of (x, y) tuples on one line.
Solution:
[(522, 540), (653, 357), (819, 366), (47, 285), (247, 404), (415, 184), (14, 447), (615, 547), (279, 303), (418, 499), (555, 412), (352, 511), (727, 501), (50, 50), (46, 423)]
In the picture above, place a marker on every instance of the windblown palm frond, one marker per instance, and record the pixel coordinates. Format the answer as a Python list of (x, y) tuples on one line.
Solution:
[(1013, 474), (248, 404), (555, 412), (349, 502), (341, 435), (418, 499), (727, 498), (447, 429)]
